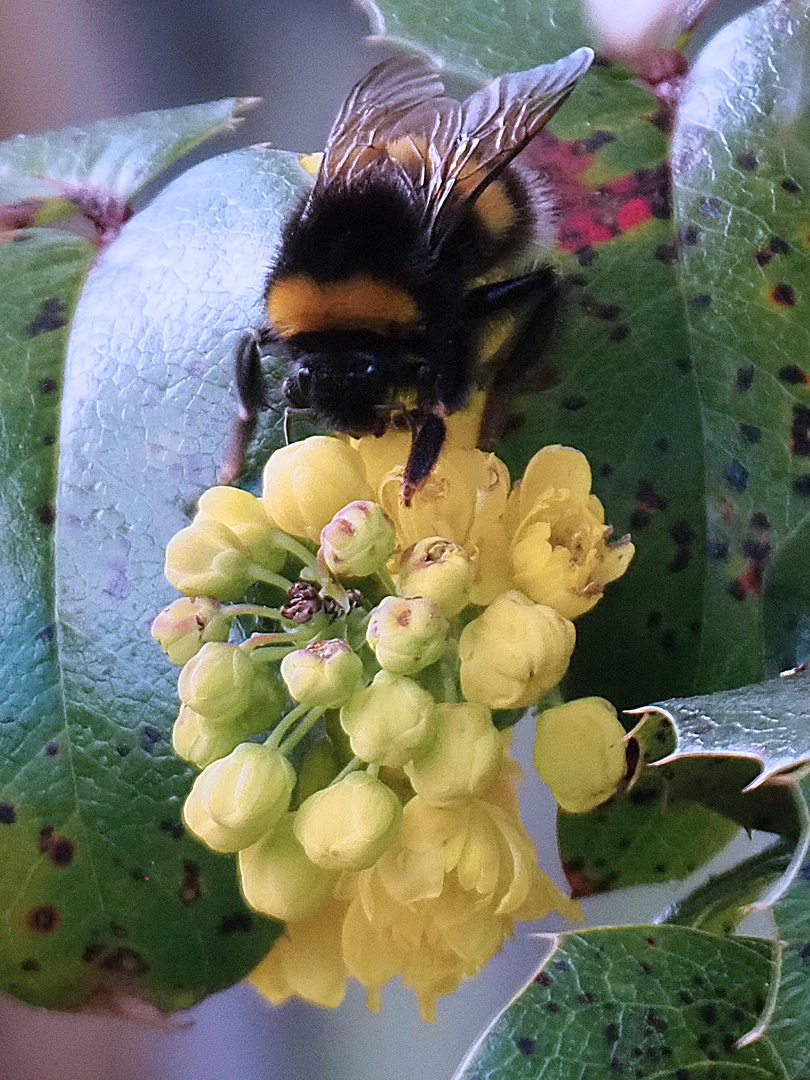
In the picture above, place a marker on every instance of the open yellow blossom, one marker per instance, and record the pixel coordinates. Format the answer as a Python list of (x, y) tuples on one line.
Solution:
[(559, 541)]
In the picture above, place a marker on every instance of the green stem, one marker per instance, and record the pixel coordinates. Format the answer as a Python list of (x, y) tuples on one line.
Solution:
[(296, 548), (233, 610), (283, 726), (373, 771), (386, 581), (351, 767), (266, 654), (309, 721), (269, 578)]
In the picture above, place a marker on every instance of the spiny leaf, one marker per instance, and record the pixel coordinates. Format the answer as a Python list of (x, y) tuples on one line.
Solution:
[(641, 1001)]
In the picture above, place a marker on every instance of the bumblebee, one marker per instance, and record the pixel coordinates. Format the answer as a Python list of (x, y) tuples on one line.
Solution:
[(388, 270)]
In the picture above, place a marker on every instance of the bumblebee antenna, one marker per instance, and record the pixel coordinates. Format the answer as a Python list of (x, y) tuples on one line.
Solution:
[(285, 423)]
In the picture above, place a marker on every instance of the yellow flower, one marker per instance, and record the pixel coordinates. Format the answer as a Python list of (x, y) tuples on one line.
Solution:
[(183, 627), (514, 652), (580, 753), (559, 541), (306, 483), (208, 559), (438, 570), (358, 541), (325, 673), (198, 741), (461, 759), (279, 880), (247, 518), (388, 721), (407, 635), (349, 825)]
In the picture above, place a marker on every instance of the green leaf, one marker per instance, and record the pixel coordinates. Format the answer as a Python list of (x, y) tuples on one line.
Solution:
[(98, 169), (742, 189), (104, 898), (641, 1001)]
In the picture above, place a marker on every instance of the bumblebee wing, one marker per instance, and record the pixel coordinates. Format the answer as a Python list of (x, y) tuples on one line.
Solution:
[(376, 105), (493, 125)]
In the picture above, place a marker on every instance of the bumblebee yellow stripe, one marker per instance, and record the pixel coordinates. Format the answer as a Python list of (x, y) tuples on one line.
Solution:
[(298, 304)]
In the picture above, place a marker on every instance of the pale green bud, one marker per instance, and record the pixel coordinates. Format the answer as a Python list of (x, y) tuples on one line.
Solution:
[(407, 635), (325, 674), (208, 559), (359, 540), (196, 740), (580, 753), (439, 570), (463, 757), (247, 517), (183, 627), (237, 800), (218, 682), (389, 721), (279, 880), (348, 826)]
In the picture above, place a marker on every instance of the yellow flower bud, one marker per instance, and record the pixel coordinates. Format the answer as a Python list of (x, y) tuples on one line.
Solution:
[(183, 627), (237, 800), (463, 757), (407, 635), (514, 652), (324, 674), (358, 541), (195, 740), (390, 720), (208, 559), (307, 482), (349, 825), (438, 570), (218, 681), (279, 880), (247, 517), (580, 753)]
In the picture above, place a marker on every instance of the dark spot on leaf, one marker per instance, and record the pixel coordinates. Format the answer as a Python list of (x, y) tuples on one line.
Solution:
[(804, 953), (783, 294), (616, 1065), (119, 930), (8, 718), (150, 736), (654, 1019), (8, 814), (92, 952), (597, 140), (708, 1013), (745, 377), (662, 445), (50, 749), (173, 828), (701, 300), (47, 633), (790, 186), (689, 235), (586, 256), (710, 207), (612, 1034), (749, 433), (648, 498), (683, 363), (757, 549), (51, 316), (639, 519), (46, 514), (654, 620), (600, 309), (525, 1045), (760, 521), (747, 161), (561, 965), (125, 961), (122, 750), (800, 431), (736, 475), (606, 469), (241, 922), (647, 969), (666, 253), (779, 246), (759, 1003), (619, 333), (684, 536), (190, 888), (668, 639), (47, 386), (801, 485), (685, 997), (543, 978), (552, 1007), (660, 868), (585, 998), (48, 440), (793, 375), (138, 875), (30, 965), (574, 402), (657, 1053), (737, 589), (763, 257), (43, 919)]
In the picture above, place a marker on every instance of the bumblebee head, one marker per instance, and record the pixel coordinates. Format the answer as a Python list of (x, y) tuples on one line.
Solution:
[(343, 384)]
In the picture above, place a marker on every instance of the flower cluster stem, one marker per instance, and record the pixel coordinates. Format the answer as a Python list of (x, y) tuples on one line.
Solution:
[(308, 722)]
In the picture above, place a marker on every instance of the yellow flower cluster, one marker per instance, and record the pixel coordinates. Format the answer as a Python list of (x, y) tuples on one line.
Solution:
[(349, 739)]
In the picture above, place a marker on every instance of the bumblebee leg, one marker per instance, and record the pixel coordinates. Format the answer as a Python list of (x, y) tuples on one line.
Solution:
[(536, 288), (250, 395), (426, 445)]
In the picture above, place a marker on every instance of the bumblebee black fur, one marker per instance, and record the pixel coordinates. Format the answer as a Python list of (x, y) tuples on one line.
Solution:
[(372, 294)]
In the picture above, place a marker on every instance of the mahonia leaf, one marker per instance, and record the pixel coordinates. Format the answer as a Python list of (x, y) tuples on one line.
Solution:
[(643, 1001), (105, 901)]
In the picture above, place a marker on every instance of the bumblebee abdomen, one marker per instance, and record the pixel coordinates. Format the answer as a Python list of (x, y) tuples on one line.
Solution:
[(298, 304)]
